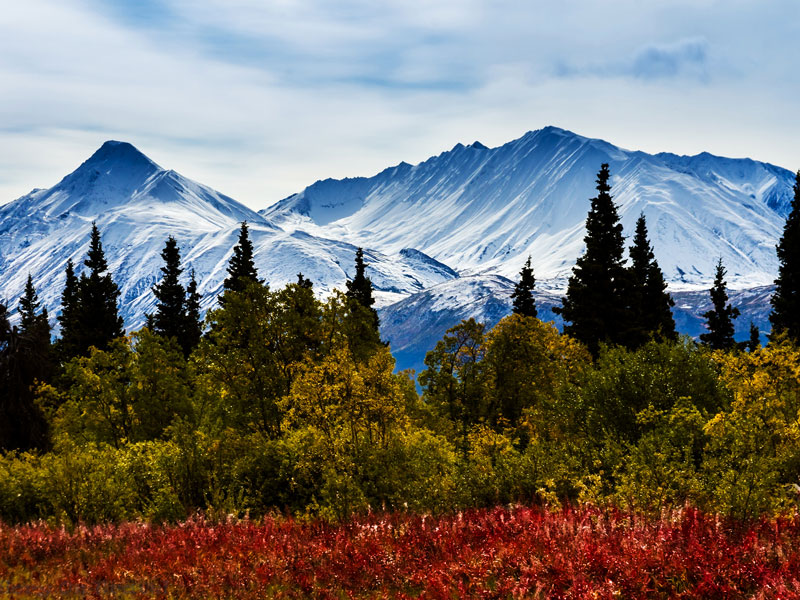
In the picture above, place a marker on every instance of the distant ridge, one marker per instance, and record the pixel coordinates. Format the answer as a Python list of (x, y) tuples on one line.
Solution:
[(484, 210)]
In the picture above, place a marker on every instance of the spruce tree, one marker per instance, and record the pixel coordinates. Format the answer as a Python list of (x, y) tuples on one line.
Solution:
[(719, 320), (594, 307), (360, 287), (785, 314), (98, 320), (524, 302), (362, 323), (28, 305), (192, 323), (68, 344), (25, 358), (241, 268), (754, 342), (35, 326), (169, 319), (649, 304)]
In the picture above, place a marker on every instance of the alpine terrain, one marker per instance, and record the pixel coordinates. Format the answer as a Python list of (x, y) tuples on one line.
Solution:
[(443, 239)]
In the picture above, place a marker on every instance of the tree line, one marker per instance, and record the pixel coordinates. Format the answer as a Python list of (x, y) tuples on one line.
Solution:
[(278, 400)]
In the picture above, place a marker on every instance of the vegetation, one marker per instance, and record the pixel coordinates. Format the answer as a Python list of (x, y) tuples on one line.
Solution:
[(516, 552), (719, 319), (292, 404), (785, 315), (594, 307)]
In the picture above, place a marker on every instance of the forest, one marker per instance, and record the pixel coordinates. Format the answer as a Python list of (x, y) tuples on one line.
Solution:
[(278, 402)]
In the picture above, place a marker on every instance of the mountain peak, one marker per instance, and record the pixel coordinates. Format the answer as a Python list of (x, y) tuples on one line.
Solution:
[(120, 153)]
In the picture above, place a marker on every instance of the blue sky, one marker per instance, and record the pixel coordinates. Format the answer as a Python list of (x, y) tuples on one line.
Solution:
[(260, 98)]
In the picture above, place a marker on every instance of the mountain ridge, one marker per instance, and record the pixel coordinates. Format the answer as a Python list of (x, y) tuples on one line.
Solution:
[(487, 209)]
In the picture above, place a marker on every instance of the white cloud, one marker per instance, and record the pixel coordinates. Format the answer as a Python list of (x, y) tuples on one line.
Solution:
[(258, 99)]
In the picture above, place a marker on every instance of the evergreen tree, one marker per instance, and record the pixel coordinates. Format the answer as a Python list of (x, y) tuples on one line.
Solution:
[(524, 302), (35, 328), (68, 345), (24, 360), (98, 320), (28, 305), (360, 288), (169, 319), (241, 268), (304, 282), (594, 307), (754, 342), (719, 320), (193, 324), (785, 314), (648, 301)]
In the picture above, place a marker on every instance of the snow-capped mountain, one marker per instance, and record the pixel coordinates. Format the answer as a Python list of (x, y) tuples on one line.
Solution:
[(137, 204), (484, 210)]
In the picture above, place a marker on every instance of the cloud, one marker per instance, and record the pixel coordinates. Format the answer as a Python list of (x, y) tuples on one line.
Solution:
[(259, 99), (687, 57), (684, 58)]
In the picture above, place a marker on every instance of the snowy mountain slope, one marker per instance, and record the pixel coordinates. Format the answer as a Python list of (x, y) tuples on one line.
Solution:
[(137, 204), (485, 210), (414, 325)]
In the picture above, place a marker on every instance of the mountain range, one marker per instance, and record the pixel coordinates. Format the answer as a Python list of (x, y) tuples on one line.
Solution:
[(443, 238)]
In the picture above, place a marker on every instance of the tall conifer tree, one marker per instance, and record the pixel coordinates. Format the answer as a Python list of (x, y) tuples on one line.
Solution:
[(241, 268), (25, 358), (68, 344), (169, 319), (785, 314), (594, 307), (360, 287), (363, 323), (98, 318), (649, 303), (524, 302), (719, 319), (28, 307), (193, 324)]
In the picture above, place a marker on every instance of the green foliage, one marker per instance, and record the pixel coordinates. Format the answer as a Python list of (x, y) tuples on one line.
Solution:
[(649, 303), (719, 319), (128, 393), (594, 307), (360, 289), (523, 301), (292, 405), (785, 301), (25, 359), (97, 321), (241, 268)]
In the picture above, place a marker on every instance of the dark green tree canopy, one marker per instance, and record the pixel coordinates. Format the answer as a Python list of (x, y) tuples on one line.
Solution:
[(360, 289), (192, 322), (594, 309), (97, 320), (649, 303), (169, 318), (785, 314), (524, 302), (24, 360), (28, 307), (241, 268), (67, 345), (719, 319)]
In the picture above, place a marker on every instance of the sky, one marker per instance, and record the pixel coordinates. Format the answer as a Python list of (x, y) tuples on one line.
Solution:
[(260, 98)]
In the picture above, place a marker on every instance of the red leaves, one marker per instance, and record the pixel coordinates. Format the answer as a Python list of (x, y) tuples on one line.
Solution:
[(498, 553)]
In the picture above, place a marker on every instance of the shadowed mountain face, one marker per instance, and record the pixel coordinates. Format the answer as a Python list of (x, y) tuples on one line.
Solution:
[(485, 210)]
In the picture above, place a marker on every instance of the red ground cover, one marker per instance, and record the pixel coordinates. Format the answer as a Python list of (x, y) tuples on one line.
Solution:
[(519, 552)]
